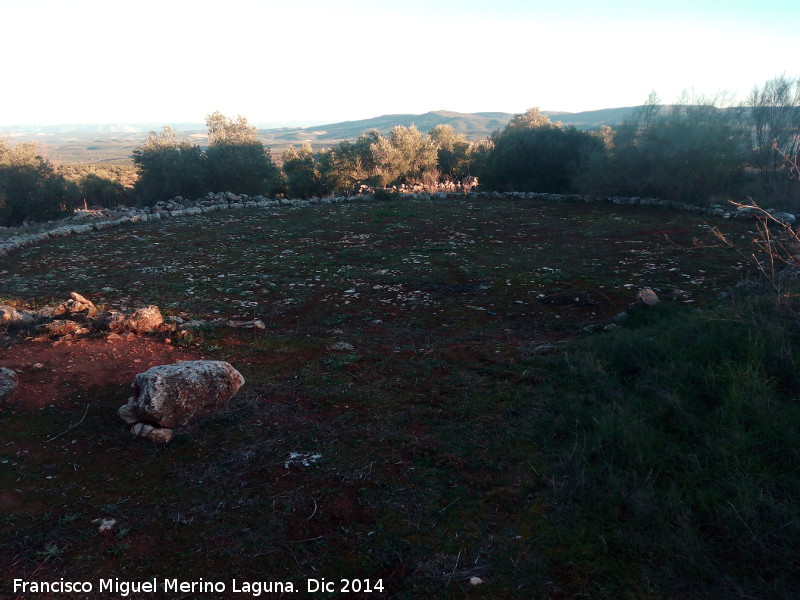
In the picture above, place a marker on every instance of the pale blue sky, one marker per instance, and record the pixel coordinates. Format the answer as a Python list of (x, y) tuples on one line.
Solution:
[(313, 61)]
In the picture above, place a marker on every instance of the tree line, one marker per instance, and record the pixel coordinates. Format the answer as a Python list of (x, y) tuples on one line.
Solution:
[(696, 150)]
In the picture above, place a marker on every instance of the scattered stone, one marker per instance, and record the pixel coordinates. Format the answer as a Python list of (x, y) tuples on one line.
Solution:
[(8, 383), (113, 337), (159, 435), (749, 210), (141, 320), (543, 349), (342, 346), (647, 296), (254, 324), (175, 395), (611, 327), (106, 524), (77, 305), (475, 581), (785, 218), (301, 459), (191, 325)]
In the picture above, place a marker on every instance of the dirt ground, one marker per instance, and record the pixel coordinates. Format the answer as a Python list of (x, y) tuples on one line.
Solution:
[(50, 372)]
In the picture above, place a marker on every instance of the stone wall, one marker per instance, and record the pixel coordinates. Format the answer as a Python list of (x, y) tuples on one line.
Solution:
[(95, 220)]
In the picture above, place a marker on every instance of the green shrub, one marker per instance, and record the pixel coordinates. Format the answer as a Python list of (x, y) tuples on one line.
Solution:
[(30, 189), (534, 155)]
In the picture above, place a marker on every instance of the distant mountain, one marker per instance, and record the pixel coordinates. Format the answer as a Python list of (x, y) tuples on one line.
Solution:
[(113, 142), (594, 119), (474, 126)]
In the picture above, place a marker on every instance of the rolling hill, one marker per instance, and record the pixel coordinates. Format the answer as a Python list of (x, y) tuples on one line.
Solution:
[(114, 142)]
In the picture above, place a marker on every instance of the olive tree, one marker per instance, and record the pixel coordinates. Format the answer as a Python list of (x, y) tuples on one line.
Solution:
[(236, 161), (169, 167), (30, 189)]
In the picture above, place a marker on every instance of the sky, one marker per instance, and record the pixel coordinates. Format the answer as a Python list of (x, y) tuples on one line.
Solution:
[(322, 61)]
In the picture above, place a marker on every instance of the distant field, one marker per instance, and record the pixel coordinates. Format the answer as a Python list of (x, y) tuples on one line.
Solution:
[(85, 148), (437, 435)]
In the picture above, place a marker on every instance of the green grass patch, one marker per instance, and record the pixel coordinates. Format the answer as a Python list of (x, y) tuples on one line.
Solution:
[(679, 450)]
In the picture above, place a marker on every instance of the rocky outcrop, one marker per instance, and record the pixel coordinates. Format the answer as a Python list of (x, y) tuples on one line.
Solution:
[(61, 327), (76, 306), (171, 396), (141, 320), (13, 319), (8, 383), (79, 316)]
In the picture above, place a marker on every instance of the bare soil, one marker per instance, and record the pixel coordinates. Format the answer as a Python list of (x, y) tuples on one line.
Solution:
[(51, 372)]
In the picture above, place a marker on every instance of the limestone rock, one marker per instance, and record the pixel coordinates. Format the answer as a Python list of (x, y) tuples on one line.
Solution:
[(8, 383), (105, 524), (11, 317), (647, 296), (59, 327), (785, 218), (141, 320), (254, 324), (77, 305), (160, 435), (175, 395), (191, 325), (46, 312)]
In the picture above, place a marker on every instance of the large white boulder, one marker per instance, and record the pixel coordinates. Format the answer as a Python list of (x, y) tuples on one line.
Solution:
[(176, 395)]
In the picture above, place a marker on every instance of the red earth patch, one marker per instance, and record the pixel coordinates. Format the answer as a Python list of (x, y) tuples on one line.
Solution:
[(81, 365)]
